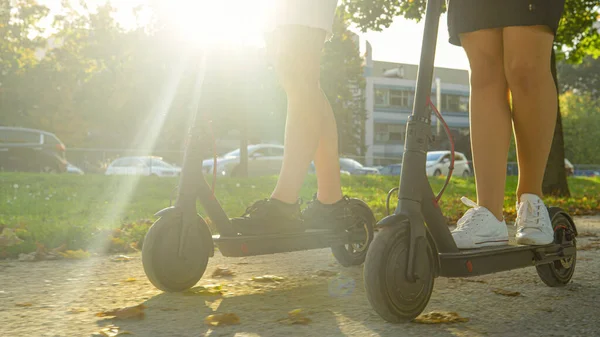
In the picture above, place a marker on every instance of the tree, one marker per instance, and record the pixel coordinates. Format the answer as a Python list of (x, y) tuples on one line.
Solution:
[(583, 77), (581, 117), (576, 37), (343, 82)]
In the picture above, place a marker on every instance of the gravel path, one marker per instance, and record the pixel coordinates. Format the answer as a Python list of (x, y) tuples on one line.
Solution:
[(61, 298)]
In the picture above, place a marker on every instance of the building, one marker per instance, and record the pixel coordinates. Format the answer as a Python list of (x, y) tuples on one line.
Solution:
[(390, 91)]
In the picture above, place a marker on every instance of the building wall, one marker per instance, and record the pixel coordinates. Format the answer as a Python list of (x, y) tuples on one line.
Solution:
[(389, 103)]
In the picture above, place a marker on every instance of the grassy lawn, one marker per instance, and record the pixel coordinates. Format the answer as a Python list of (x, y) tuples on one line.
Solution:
[(74, 210)]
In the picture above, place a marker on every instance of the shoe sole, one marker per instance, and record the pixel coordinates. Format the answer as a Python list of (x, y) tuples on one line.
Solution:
[(532, 242), (487, 243)]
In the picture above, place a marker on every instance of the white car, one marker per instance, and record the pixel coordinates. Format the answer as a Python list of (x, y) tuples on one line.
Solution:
[(438, 163), (144, 166), (263, 159)]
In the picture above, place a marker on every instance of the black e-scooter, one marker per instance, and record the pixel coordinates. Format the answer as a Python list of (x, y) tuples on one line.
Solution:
[(414, 245), (177, 247)]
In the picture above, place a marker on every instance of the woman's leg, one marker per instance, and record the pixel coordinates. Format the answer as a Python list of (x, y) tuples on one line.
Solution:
[(490, 118), (310, 128), (527, 62), (527, 65), (483, 224)]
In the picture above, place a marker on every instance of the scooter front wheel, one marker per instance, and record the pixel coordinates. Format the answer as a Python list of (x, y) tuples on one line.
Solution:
[(390, 293), (165, 267)]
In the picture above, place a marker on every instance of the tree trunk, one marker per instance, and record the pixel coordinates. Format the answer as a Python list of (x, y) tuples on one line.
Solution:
[(555, 178)]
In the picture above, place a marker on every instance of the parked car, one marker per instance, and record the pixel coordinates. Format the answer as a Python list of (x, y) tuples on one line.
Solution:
[(391, 170), (438, 163), (263, 159), (74, 169), (142, 165), (356, 168), (31, 150)]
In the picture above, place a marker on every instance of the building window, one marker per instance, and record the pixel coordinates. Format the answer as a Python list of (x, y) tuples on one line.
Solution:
[(455, 103), (399, 98), (389, 133), (382, 97)]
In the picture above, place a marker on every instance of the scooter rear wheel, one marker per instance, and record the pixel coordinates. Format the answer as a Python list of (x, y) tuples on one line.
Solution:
[(391, 295), (559, 273), (355, 253), (163, 265)]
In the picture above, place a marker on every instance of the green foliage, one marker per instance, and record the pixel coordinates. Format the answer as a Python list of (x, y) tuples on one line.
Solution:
[(576, 37), (582, 78), (343, 82), (581, 119), (97, 213)]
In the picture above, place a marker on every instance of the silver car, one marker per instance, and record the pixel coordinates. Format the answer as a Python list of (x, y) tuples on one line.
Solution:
[(263, 159)]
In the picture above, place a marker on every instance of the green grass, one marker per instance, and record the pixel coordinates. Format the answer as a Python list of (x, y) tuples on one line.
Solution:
[(75, 210)]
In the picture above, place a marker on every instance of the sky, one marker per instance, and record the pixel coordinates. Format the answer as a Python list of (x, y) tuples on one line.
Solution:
[(214, 20)]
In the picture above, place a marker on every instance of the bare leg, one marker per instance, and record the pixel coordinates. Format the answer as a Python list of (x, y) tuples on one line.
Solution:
[(490, 118), (527, 62), (310, 128)]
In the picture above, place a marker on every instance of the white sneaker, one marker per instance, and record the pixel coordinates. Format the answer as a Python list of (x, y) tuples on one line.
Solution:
[(479, 228), (534, 226)]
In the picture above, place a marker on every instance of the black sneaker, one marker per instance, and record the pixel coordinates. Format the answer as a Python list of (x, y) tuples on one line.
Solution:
[(269, 216), (337, 216)]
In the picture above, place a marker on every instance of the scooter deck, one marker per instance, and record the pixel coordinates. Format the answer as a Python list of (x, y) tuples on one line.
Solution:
[(475, 262), (239, 246)]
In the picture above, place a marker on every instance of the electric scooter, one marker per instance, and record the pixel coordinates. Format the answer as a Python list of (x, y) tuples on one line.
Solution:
[(414, 245), (177, 247)]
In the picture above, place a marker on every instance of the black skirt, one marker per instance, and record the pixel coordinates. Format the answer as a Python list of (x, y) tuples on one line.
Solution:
[(466, 16)]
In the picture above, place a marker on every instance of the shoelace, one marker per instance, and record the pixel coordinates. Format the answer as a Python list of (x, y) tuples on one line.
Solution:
[(526, 215), (470, 216)]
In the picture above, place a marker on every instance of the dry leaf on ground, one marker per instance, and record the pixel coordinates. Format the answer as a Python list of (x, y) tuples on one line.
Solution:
[(440, 317), (505, 292), (113, 331), (222, 272), (222, 319), (9, 238), (296, 316), (75, 254), (207, 290), (121, 258), (267, 279), (326, 273), (76, 310), (590, 246), (588, 234), (125, 313), (130, 279), (23, 305)]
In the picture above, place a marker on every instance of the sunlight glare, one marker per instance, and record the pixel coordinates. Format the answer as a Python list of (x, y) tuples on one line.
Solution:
[(238, 22)]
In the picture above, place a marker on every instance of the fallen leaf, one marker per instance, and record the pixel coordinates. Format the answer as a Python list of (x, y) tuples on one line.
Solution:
[(130, 279), (267, 279), (121, 258), (590, 246), (25, 304), (326, 273), (473, 280), (296, 316), (505, 292), (207, 290), (113, 331), (220, 272), (9, 238), (76, 310), (222, 319), (75, 254), (440, 317), (125, 313), (588, 234)]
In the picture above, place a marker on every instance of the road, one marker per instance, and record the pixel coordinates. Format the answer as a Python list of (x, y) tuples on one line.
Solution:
[(61, 298)]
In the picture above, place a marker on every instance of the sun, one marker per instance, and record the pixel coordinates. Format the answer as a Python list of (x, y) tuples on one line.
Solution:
[(219, 21)]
